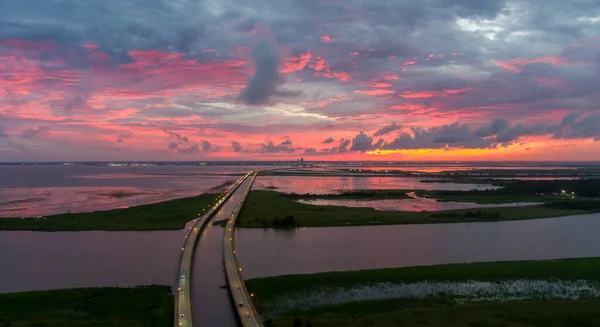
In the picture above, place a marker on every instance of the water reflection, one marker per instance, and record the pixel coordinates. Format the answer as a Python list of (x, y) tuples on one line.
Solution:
[(29, 191), (37, 261), (335, 184), (267, 252), (40, 261), (415, 204), (448, 167), (31, 202)]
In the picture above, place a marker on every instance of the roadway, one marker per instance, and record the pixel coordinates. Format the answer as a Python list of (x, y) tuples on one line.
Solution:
[(183, 304), (242, 300)]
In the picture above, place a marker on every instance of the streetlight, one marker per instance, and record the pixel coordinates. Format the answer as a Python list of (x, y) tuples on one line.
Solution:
[(252, 295)]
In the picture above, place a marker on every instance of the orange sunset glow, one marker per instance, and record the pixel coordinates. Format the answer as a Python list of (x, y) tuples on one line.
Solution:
[(329, 82)]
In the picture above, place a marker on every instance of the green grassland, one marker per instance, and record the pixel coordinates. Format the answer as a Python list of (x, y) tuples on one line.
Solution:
[(143, 306), (438, 311), (271, 209), (172, 214)]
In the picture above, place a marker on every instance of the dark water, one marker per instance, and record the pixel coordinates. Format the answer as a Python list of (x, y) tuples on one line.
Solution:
[(264, 252), (39, 261), (31, 260)]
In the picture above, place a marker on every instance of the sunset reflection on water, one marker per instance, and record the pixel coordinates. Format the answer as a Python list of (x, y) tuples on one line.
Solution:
[(416, 204), (335, 184), (32, 202)]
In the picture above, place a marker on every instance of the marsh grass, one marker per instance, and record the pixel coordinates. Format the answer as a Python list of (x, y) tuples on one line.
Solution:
[(264, 208), (459, 292), (172, 214)]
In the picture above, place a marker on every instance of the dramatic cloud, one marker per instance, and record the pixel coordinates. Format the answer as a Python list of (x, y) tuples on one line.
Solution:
[(341, 148), (265, 80), (270, 147), (236, 146), (497, 133), (181, 143), (495, 77), (387, 129), (206, 146)]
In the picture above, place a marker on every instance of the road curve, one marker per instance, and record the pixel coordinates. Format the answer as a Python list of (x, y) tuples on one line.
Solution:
[(241, 298), (183, 304)]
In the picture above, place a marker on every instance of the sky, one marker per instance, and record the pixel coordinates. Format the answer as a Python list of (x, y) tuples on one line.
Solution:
[(282, 79)]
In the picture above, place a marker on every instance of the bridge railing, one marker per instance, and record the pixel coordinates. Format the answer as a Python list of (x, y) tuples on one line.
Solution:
[(193, 237)]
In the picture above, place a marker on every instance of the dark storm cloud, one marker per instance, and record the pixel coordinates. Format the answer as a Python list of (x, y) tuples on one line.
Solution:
[(575, 127), (342, 146), (236, 146), (362, 142), (497, 133), (328, 140), (270, 147), (387, 129), (207, 146), (181, 144), (513, 133), (38, 132), (497, 126), (265, 80), (116, 25)]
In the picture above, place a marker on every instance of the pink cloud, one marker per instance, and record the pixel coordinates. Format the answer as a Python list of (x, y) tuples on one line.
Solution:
[(322, 68), (430, 94), (515, 64), (375, 92), (294, 64)]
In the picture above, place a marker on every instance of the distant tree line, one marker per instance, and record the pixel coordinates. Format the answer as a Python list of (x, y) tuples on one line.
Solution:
[(468, 214)]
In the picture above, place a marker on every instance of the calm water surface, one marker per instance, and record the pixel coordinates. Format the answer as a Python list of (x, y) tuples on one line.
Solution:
[(436, 168), (40, 261), (32, 260), (416, 204), (334, 184), (29, 191), (264, 252)]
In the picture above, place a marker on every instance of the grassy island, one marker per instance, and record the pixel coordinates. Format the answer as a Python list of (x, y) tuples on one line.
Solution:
[(172, 214), (273, 209), (524, 293)]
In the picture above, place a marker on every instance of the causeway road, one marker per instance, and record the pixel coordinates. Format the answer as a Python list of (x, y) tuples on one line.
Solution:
[(242, 300), (183, 303)]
